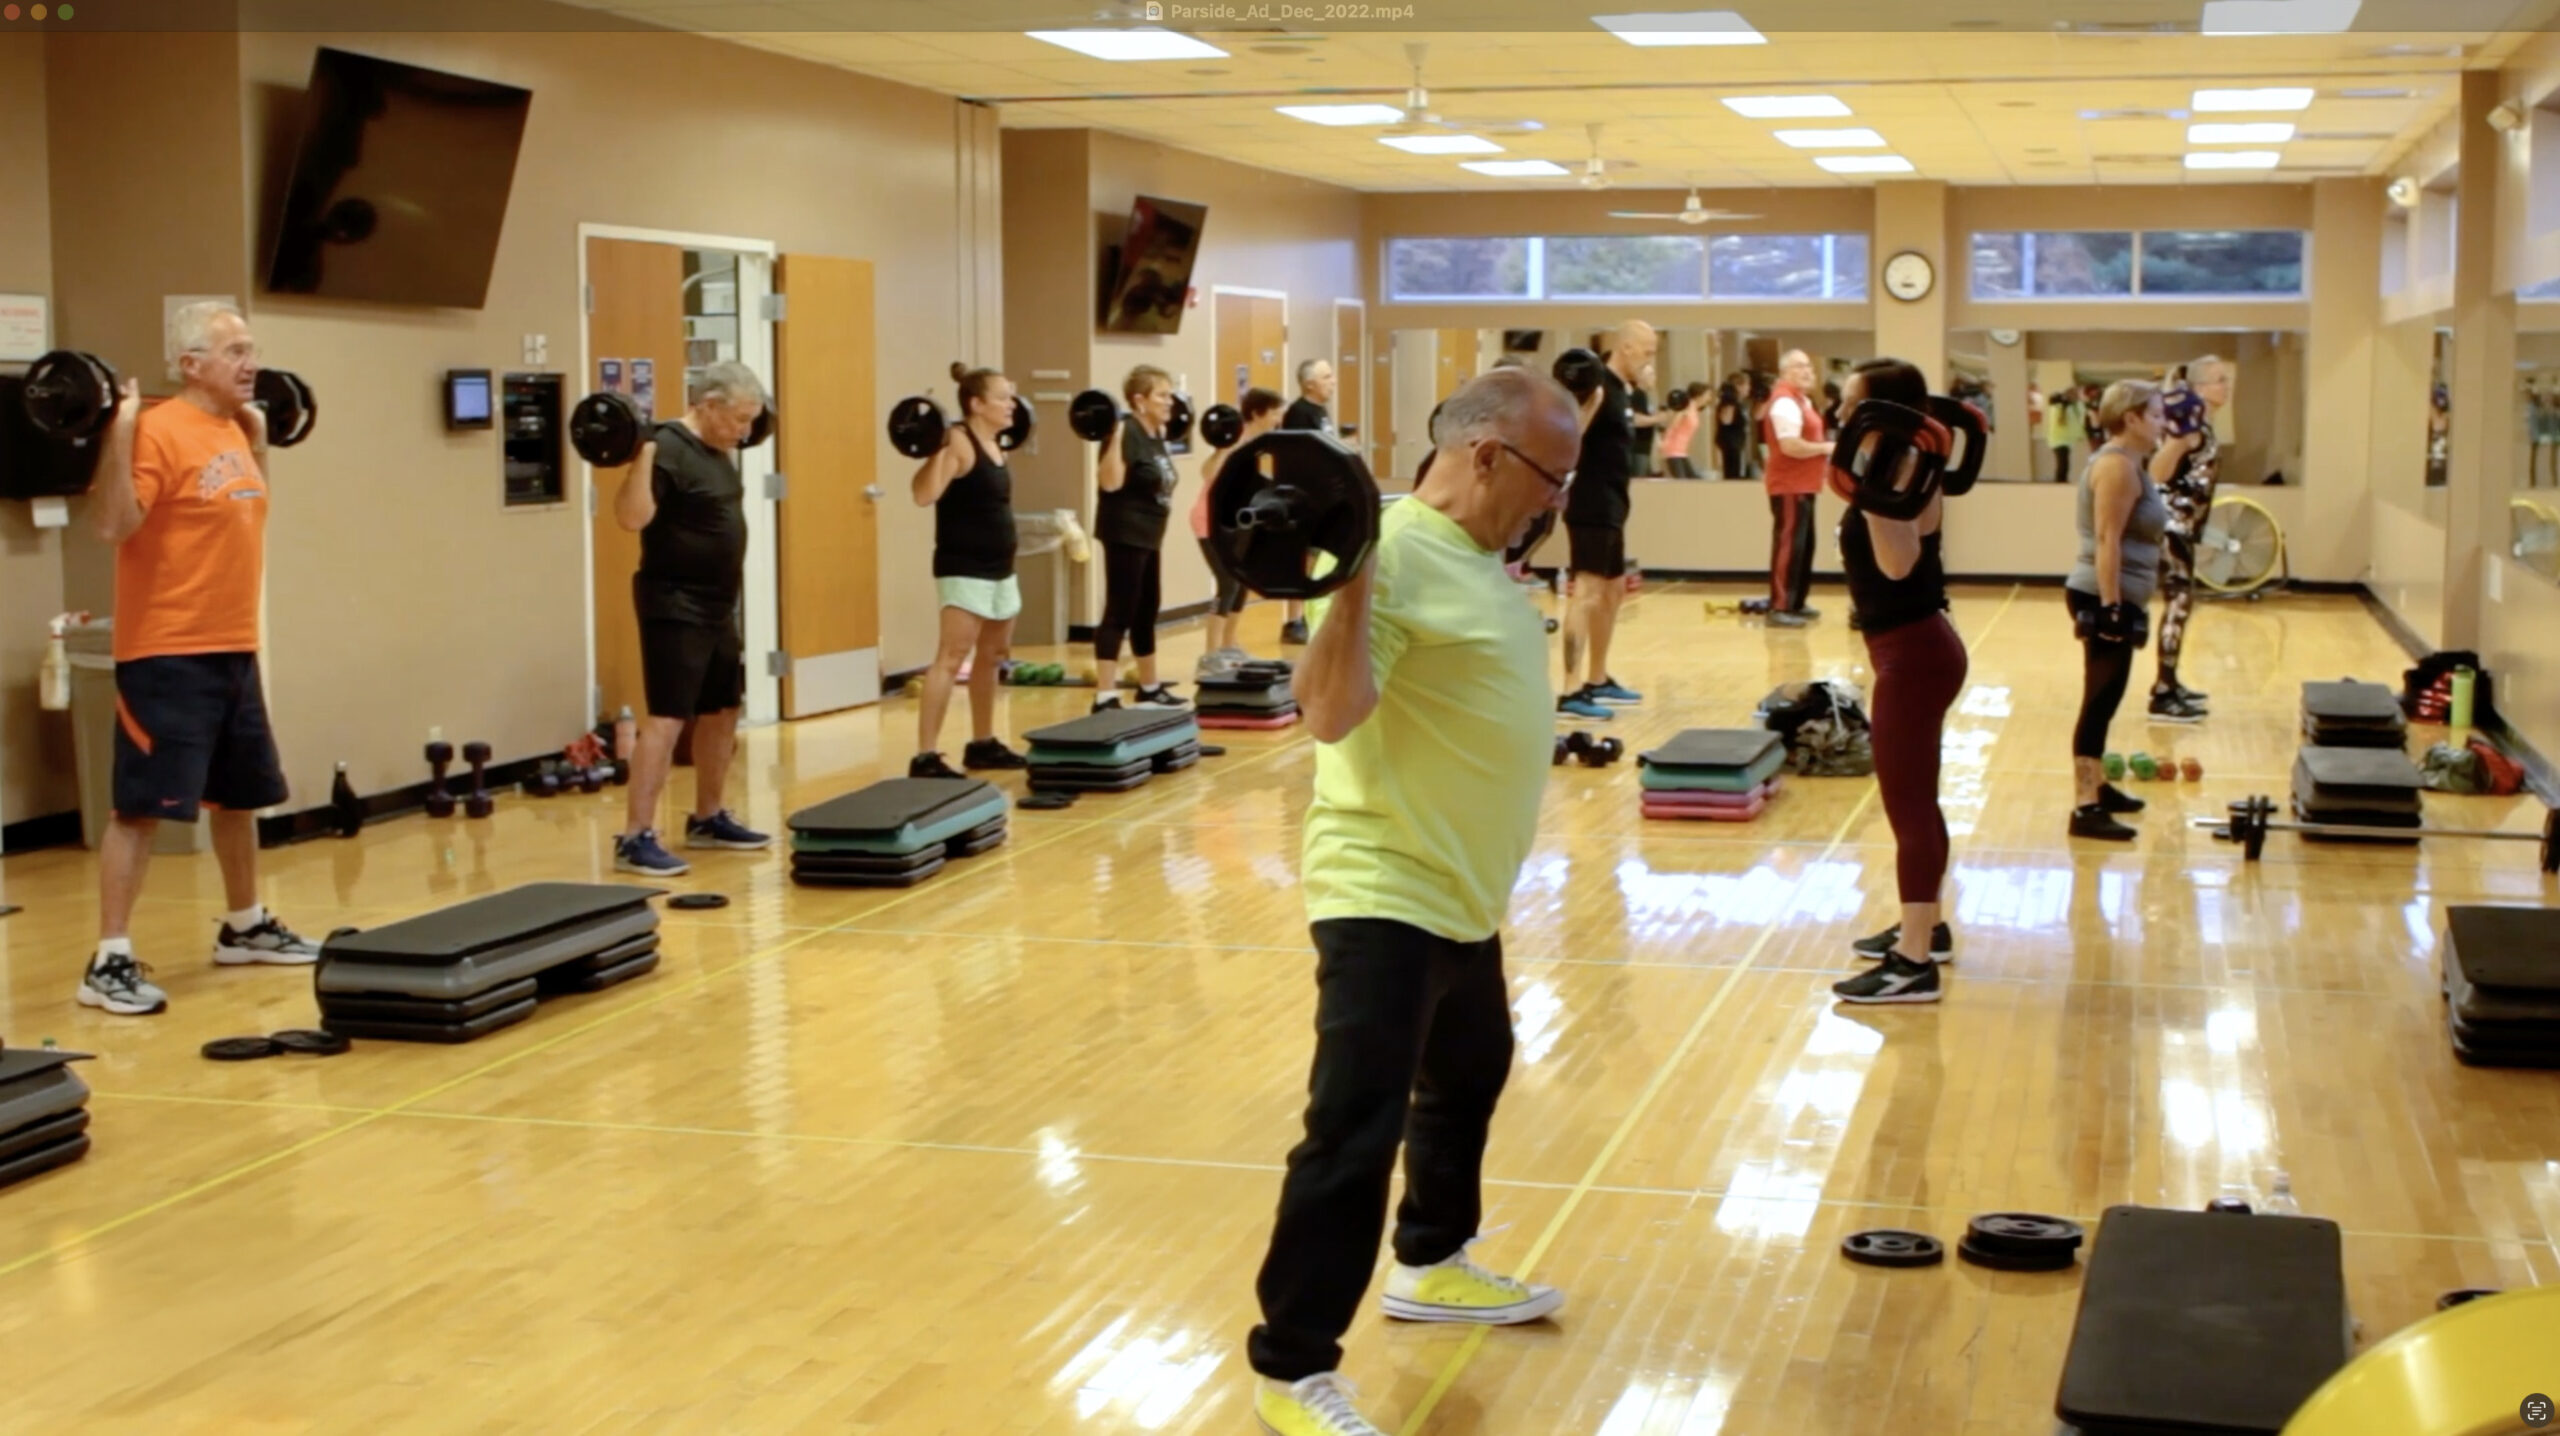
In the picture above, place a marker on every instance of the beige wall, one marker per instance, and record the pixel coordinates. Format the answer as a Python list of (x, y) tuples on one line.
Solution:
[(35, 759)]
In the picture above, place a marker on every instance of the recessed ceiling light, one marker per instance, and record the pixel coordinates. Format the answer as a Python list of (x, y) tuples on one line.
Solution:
[(1831, 139), (2279, 17), (2377, 93), (2263, 132), (1442, 144), (1514, 169), (1344, 114), (1697, 27), (1865, 164), (1143, 43), (2207, 102), (1787, 107), (2232, 160)]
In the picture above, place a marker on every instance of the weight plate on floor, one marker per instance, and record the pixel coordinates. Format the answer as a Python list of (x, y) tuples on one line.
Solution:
[(2452, 1299), (2011, 1261), (310, 1041), (1212, 750), (2025, 1234), (2229, 1206), (1887, 1247), (691, 901), (241, 1049)]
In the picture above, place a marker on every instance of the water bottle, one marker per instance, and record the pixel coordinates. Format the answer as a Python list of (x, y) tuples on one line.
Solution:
[(345, 805), (2279, 1201), (2464, 681)]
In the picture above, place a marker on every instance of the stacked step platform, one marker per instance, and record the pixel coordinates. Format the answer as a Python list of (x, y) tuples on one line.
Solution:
[(44, 1112), (2502, 985), (2350, 714), (895, 833), (1252, 695), (2357, 787), (465, 971), (1720, 775), (1112, 751)]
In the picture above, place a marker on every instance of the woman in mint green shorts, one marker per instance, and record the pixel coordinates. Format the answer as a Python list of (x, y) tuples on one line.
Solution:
[(971, 491)]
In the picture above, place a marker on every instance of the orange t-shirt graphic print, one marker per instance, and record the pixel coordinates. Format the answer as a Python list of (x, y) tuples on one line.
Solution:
[(188, 580)]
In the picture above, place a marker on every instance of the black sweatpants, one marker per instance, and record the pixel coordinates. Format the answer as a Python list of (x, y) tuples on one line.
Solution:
[(1790, 551), (1413, 1045), (2105, 670), (1132, 589)]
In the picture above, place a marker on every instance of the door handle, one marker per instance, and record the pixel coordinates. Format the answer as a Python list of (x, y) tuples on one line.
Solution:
[(872, 492)]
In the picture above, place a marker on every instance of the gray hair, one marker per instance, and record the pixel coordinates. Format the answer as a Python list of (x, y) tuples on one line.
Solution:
[(191, 331), (1307, 367), (727, 382), (1499, 404)]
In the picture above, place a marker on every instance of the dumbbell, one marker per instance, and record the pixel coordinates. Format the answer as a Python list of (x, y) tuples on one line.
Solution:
[(608, 427), (477, 803), (1589, 751), (918, 428), (439, 797), (72, 395), (1093, 415)]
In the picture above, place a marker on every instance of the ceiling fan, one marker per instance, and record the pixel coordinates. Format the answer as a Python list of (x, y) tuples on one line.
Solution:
[(1693, 213), (1420, 118), (1596, 168)]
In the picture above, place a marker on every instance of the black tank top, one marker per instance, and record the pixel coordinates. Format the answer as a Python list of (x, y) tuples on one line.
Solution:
[(1886, 603), (973, 534)]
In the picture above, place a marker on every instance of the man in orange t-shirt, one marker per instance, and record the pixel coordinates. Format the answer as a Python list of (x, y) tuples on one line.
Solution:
[(182, 494)]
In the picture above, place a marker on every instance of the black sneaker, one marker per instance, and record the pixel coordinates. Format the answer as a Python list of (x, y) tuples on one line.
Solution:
[(2113, 799), (2195, 696), (984, 753), (1942, 944), (723, 830), (2170, 708), (2094, 821), (1294, 632), (929, 765), (1896, 979), (1107, 703), (1160, 696)]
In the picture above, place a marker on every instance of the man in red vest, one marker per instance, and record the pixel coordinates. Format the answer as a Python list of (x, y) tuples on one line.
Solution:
[(1798, 454)]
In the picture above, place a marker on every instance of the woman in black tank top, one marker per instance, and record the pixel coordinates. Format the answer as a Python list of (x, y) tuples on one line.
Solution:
[(1136, 475), (1898, 591), (971, 491)]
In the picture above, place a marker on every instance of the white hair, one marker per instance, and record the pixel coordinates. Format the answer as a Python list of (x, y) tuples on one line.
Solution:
[(727, 382), (191, 331)]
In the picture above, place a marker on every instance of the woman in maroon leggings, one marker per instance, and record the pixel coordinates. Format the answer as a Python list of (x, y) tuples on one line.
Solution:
[(1898, 590)]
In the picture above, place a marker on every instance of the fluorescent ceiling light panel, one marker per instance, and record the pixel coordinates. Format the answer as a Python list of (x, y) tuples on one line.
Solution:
[(2232, 160), (1515, 169), (1143, 43), (1788, 107), (1865, 164), (2226, 102), (2279, 17), (2265, 132), (1831, 139), (1697, 27), (1443, 144), (1344, 114)]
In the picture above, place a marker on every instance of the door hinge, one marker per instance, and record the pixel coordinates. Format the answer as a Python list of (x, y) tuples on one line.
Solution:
[(777, 664), (777, 308), (595, 699), (591, 496), (776, 487), (589, 298)]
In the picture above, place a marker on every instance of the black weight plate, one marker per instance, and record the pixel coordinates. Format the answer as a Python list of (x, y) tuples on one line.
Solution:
[(70, 395), (761, 429), (697, 901), (2010, 1261), (1017, 433), (916, 427), (1888, 1247), (1177, 427), (1972, 435), (2452, 1299), (310, 1041), (1222, 426), (2229, 1207), (1091, 415), (1317, 498), (607, 428), (2026, 1234), (1578, 370), (1212, 750), (1536, 534), (1878, 448), (290, 405), (241, 1049)]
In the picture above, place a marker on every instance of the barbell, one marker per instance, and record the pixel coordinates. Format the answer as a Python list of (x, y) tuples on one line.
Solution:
[(1093, 414), (2252, 818), (918, 428), (608, 427), (71, 395)]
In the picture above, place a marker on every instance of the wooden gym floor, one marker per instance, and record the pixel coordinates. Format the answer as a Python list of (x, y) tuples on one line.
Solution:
[(998, 1154)]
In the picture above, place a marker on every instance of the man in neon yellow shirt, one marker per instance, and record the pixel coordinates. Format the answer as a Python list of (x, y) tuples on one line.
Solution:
[(1427, 688)]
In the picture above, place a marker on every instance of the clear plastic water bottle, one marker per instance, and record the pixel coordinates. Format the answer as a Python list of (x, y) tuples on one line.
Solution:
[(2279, 1200)]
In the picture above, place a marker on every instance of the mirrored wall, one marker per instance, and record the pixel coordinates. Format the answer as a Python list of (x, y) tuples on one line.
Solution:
[(2041, 388), (2533, 509)]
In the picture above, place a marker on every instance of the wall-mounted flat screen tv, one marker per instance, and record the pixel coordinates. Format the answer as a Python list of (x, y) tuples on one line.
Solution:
[(1148, 293)]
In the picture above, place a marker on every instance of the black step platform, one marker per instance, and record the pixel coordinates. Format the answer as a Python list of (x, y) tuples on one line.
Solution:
[(1735, 748), (1093, 780), (38, 1083), (1109, 728), (906, 879), (43, 1159), (880, 864), (2369, 775), (43, 1132), (445, 1032), (2502, 985), (467, 970), (1219, 697), (2204, 1324), (893, 806), (484, 924), (391, 1007), (560, 980)]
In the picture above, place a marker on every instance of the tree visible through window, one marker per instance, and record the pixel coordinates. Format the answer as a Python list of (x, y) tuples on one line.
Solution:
[(2222, 261), (1647, 266), (1458, 268), (2120, 264)]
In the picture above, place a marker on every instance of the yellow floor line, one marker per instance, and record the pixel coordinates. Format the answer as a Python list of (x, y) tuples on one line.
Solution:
[(1475, 1338)]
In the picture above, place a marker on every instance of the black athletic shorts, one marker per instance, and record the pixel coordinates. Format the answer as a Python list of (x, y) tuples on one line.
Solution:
[(191, 729), (1599, 550), (690, 669)]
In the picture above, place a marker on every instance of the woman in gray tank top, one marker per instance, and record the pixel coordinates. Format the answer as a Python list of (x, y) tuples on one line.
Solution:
[(2122, 518)]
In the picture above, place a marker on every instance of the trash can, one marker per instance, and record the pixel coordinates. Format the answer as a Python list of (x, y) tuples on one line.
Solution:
[(1044, 560), (91, 649)]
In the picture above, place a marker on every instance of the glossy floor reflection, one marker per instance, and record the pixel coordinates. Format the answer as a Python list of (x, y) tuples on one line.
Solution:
[(998, 1154)]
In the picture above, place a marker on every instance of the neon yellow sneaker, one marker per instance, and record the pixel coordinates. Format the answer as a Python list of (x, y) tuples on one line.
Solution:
[(1318, 1406), (1459, 1290)]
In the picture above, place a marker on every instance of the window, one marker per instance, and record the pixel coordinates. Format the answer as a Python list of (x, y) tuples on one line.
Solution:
[(2052, 264), (2547, 289), (1462, 268), (1787, 266), (1627, 266), (2222, 261)]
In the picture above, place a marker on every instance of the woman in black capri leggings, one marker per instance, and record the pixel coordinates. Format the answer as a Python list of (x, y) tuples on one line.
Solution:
[(1137, 478), (2122, 518)]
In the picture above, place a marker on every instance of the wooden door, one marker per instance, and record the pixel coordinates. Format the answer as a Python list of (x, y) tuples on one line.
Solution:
[(1231, 315), (1270, 338), (1349, 383), (1382, 404), (1457, 359), (635, 292), (828, 451)]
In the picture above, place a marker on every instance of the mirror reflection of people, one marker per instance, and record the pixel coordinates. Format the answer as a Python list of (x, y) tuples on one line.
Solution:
[(1595, 525), (1799, 458), (1686, 406), (2185, 466)]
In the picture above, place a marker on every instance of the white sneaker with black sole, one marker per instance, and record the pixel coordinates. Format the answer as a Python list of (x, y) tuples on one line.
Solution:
[(269, 942), (117, 984)]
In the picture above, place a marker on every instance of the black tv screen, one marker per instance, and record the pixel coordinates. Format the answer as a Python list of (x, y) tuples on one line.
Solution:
[(400, 185), (1154, 282)]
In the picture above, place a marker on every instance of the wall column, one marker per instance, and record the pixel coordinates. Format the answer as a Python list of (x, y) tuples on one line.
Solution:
[(1912, 214)]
